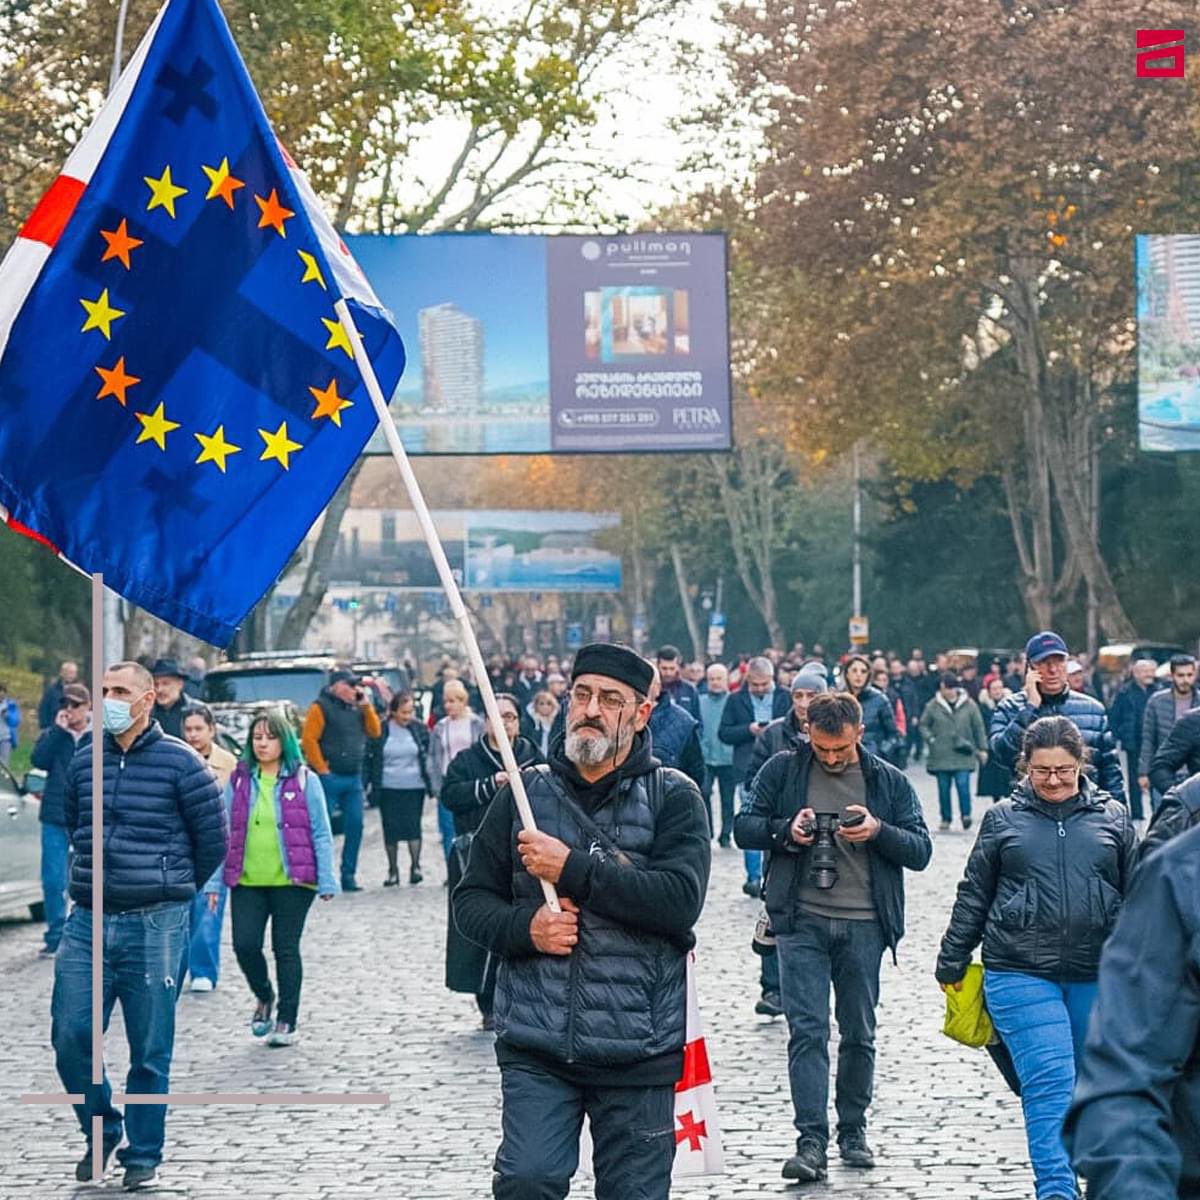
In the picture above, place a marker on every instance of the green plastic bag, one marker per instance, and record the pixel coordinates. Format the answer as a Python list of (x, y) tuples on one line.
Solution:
[(967, 1019)]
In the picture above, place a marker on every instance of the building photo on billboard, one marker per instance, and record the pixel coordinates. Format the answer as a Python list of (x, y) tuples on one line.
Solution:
[(528, 344)]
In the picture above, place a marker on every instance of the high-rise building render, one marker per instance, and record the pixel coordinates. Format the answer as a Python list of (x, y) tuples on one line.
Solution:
[(451, 360), (1175, 259)]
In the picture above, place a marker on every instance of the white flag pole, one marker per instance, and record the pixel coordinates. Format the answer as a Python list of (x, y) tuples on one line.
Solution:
[(449, 586)]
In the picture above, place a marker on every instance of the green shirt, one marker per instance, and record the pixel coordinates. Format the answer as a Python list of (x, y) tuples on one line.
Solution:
[(263, 863)]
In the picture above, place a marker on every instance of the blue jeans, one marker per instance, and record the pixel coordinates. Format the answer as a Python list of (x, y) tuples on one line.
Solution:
[(346, 792), (962, 784), (752, 859), (847, 954), (204, 950), (143, 950), (446, 829), (1044, 1025), (56, 853)]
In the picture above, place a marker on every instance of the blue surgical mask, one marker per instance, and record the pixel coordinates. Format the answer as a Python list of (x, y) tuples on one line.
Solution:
[(118, 715)]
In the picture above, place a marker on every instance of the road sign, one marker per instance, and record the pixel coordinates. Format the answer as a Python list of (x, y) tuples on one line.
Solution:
[(860, 631), (602, 627), (574, 635)]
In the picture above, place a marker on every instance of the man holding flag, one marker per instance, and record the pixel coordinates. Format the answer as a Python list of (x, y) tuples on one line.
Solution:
[(591, 1002)]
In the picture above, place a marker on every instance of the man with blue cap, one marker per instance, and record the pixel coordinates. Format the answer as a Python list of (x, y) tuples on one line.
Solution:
[(1047, 694)]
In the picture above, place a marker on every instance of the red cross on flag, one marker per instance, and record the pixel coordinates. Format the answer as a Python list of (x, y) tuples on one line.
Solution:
[(697, 1134)]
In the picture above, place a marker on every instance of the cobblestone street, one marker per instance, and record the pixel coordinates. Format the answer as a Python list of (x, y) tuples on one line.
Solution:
[(376, 1017)]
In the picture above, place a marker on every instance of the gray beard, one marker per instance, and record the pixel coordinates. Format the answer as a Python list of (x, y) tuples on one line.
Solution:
[(594, 751)]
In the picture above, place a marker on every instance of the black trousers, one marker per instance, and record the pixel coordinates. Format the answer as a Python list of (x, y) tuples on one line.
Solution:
[(633, 1135), (287, 909), (1135, 792)]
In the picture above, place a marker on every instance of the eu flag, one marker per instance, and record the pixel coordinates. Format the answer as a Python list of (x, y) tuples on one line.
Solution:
[(178, 400)]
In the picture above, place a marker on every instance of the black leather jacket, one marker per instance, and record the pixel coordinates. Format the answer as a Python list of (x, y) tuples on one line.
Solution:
[(1042, 887)]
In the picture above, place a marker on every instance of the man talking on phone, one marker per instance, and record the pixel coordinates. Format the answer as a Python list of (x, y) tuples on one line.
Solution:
[(842, 825), (337, 727)]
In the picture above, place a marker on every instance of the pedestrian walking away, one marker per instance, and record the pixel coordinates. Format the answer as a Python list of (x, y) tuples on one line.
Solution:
[(591, 1001), (1041, 891), (1134, 1126), (842, 826), (337, 727), (401, 781), (952, 728), (280, 858), (52, 753), (163, 836), (474, 778), (204, 926)]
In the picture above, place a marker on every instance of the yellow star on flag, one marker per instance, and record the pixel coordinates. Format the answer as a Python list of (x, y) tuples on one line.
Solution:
[(215, 448), (273, 213), (163, 192), (337, 337), (278, 445), (329, 403), (223, 184), (312, 272), (100, 315), (116, 381), (119, 243), (155, 427)]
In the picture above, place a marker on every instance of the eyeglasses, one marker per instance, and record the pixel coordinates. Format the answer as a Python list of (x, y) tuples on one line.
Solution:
[(1045, 773), (75, 704), (612, 701)]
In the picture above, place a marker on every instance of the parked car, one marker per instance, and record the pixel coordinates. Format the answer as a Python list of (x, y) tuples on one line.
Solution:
[(20, 850)]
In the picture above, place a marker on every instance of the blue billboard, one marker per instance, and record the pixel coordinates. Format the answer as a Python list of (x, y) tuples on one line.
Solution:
[(1168, 341), (523, 344), (541, 552)]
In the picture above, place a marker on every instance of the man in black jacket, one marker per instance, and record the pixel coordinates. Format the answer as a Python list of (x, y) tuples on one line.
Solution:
[(835, 905), (1171, 732), (52, 753), (164, 836), (1126, 716), (1178, 812), (749, 711), (590, 1007), (1133, 1131), (171, 702)]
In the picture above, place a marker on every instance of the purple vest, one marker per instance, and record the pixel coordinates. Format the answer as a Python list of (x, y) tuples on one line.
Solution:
[(299, 857)]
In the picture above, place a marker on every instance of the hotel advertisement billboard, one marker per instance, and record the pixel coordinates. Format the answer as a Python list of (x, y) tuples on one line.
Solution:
[(523, 344)]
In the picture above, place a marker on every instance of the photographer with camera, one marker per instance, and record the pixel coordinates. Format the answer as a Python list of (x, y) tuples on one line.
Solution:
[(841, 824), (337, 727)]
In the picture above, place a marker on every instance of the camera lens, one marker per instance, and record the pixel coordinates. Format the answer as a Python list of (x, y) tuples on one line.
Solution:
[(823, 865)]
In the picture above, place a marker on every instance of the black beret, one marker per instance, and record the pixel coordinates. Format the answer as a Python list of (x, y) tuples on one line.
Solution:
[(618, 662)]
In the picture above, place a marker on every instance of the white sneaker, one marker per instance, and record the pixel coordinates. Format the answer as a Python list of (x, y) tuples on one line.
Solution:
[(282, 1035), (200, 984)]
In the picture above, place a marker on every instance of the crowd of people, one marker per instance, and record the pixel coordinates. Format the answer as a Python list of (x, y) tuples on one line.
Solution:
[(637, 770)]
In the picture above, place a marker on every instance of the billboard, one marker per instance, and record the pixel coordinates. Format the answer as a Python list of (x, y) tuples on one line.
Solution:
[(1168, 341), (540, 552), (524, 344), (500, 551)]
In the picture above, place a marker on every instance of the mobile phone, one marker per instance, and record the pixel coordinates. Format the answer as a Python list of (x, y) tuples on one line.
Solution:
[(853, 821)]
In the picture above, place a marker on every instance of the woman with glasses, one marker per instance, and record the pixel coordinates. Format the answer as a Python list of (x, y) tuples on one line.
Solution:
[(1041, 891), (473, 778)]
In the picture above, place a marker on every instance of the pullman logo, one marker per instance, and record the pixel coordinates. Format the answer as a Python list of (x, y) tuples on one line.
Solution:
[(1156, 46)]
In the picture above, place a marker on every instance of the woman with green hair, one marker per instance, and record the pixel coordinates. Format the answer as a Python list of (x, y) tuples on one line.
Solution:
[(280, 857)]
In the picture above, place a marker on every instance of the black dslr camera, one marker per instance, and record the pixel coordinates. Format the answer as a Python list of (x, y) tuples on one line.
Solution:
[(823, 865)]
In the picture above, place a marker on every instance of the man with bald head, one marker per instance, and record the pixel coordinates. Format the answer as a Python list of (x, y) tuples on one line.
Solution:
[(164, 836)]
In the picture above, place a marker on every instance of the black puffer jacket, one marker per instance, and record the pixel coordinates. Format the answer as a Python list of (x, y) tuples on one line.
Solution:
[(879, 721), (1043, 887), (164, 823), (779, 793), (782, 734), (1176, 814), (1014, 714), (1180, 752)]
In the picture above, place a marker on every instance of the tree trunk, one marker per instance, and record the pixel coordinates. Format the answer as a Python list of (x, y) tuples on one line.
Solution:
[(316, 579), (689, 613)]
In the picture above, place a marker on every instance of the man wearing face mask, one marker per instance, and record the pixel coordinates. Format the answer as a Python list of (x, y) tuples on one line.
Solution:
[(164, 835), (590, 1002), (1047, 694)]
